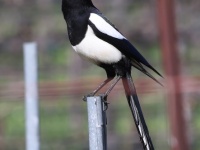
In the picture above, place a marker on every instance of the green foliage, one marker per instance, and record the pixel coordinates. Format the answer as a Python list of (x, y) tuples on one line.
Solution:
[(64, 120)]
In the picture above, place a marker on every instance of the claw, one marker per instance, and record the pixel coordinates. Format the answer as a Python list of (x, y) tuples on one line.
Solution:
[(106, 105), (104, 97), (88, 95), (85, 98)]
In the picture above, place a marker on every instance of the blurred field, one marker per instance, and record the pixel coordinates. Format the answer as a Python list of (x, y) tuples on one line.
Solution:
[(63, 116)]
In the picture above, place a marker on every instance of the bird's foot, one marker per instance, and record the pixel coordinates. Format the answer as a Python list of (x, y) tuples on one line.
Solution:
[(104, 97), (88, 95)]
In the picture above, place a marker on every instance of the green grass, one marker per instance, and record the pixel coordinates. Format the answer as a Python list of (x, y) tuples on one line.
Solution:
[(63, 123)]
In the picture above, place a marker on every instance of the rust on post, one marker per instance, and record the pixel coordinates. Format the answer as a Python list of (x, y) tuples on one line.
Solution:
[(171, 62)]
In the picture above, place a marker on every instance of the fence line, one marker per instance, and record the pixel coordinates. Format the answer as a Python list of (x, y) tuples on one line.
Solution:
[(51, 89)]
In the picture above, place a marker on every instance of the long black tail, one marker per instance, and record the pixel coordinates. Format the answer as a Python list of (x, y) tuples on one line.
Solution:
[(137, 112)]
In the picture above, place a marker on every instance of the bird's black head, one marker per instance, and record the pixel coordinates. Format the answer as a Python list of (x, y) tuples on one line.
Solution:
[(75, 4)]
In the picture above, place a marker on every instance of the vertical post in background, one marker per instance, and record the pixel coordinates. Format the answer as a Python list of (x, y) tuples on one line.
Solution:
[(97, 123), (171, 60), (1, 134), (31, 96)]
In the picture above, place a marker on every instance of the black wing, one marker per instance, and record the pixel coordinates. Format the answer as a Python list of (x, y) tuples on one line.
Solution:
[(122, 44)]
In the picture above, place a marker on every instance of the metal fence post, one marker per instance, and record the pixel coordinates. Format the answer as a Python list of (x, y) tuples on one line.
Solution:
[(97, 123)]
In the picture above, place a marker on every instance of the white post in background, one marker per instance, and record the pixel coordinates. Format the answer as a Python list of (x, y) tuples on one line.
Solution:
[(31, 96)]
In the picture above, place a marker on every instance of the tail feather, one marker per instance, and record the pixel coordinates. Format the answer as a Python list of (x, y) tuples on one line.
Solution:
[(142, 69), (154, 70), (137, 112)]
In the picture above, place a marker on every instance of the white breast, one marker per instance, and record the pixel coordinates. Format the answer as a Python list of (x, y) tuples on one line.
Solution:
[(96, 49)]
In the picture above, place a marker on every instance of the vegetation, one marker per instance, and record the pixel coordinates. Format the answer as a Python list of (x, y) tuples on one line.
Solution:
[(64, 118)]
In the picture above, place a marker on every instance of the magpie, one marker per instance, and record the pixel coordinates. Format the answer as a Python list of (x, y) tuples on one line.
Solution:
[(95, 38)]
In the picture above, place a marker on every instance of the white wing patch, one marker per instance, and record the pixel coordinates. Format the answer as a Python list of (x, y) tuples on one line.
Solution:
[(97, 50), (105, 27)]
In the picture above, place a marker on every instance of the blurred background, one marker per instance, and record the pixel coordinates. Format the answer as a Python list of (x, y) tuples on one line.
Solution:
[(64, 77)]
